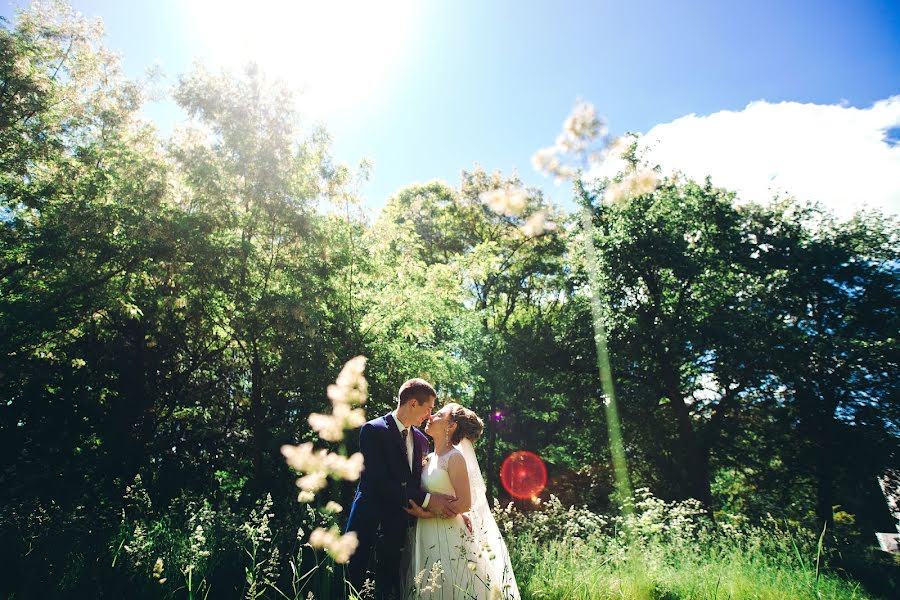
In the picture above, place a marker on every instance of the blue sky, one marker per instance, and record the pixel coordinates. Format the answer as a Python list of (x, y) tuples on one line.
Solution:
[(491, 81)]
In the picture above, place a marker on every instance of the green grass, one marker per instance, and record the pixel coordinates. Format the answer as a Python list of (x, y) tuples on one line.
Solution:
[(666, 551), (575, 569)]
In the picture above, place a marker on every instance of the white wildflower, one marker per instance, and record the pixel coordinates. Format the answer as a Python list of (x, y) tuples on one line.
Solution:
[(350, 387), (333, 507), (434, 578), (328, 427), (636, 184), (508, 201), (584, 123), (302, 457), (644, 181), (313, 482), (339, 547), (344, 468), (538, 224), (158, 568), (545, 160), (582, 127)]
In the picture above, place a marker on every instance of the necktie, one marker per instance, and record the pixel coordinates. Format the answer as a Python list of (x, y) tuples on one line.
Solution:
[(404, 435)]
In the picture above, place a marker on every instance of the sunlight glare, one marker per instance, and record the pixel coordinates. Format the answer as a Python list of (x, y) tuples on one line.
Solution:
[(339, 54)]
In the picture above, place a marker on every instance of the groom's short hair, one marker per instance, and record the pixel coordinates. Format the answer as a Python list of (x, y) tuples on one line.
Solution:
[(416, 388)]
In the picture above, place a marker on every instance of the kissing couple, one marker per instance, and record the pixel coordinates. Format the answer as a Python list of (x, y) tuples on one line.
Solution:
[(425, 514)]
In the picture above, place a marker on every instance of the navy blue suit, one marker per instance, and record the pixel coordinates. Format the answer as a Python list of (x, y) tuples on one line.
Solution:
[(385, 487)]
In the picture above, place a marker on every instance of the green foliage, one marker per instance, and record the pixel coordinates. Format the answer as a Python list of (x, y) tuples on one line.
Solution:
[(667, 550), (171, 311)]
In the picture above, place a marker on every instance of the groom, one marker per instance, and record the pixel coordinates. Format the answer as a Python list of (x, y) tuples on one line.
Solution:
[(392, 452)]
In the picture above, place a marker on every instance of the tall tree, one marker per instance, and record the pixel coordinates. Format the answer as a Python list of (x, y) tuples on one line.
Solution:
[(834, 287), (249, 170), (677, 278)]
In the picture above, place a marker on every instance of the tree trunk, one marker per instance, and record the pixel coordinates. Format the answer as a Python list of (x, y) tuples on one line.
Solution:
[(695, 458), (257, 425), (130, 417), (819, 429)]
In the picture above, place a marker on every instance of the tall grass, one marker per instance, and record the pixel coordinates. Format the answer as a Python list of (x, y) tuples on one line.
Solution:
[(665, 552), (662, 551)]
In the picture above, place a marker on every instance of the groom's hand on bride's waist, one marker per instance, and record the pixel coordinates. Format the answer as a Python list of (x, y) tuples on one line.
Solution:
[(442, 505), (417, 511)]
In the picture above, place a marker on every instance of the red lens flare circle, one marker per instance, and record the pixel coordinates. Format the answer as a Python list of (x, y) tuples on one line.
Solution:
[(523, 474)]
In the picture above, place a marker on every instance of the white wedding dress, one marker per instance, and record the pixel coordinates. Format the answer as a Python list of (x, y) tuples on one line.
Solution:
[(445, 561)]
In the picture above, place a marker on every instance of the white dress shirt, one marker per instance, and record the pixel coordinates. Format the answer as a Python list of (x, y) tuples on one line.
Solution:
[(409, 449)]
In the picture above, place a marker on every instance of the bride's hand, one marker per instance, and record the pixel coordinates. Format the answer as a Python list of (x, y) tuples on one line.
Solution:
[(417, 511)]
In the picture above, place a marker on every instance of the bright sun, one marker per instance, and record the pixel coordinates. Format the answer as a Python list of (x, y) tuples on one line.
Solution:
[(339, 53)]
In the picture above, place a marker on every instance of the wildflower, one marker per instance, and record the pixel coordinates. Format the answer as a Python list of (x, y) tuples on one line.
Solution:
[(644, 182), (545, 160), (508, 201), (158, 568), (339, 547), (331, 427), (349, 390), (344, 468), (537, 224), (313, 482), (350, 387), (583, 124), (434, 578), (327, 427), (368, 589), (302, 458), (346, 394), (637, 184)]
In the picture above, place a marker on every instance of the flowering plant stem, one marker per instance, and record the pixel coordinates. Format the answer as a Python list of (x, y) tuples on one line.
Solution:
[(614, 428)]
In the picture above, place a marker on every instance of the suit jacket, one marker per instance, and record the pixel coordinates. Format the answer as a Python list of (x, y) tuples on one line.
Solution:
[(387, 482)]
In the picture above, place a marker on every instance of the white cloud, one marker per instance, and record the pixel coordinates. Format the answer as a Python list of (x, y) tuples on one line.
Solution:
[(833, 154)]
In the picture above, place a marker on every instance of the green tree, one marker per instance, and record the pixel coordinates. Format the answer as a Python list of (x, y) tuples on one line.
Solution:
[(834, 288), (247, 169), (501, 272), (677, 276)]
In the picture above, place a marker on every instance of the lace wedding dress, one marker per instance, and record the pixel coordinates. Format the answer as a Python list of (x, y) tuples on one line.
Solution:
[(445, 561)]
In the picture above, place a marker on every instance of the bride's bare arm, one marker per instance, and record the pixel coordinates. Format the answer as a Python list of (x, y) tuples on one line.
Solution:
[(459, 477)]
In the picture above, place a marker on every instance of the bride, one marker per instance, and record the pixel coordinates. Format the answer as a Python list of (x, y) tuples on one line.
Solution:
[(463, 556)]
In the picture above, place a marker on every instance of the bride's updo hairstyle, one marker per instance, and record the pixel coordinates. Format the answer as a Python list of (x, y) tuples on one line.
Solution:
[(468, 424)]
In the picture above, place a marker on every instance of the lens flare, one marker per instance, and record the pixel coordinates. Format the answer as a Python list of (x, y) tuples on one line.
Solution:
[(523, 474)]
